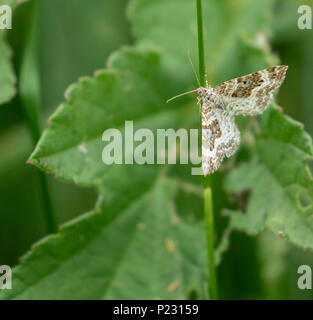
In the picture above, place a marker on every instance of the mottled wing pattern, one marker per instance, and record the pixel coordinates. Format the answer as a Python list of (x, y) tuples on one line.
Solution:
[(251, 94), (220, 136)]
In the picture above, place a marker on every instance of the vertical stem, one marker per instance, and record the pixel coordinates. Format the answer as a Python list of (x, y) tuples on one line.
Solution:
[(29, 93), (200, 43), (52, 226), (209, 222), (208, 198)]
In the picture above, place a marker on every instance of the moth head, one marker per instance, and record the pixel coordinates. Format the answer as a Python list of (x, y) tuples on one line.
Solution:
[(202, 92), (208, 94)]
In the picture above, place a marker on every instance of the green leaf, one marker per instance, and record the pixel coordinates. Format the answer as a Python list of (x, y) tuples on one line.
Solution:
[(280, 179), (147, 259), (132, 89), (131, 196)]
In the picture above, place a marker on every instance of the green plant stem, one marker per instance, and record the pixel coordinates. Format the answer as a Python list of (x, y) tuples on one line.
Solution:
[(200, 43), (29, 94), (209, 222), (208, 197)]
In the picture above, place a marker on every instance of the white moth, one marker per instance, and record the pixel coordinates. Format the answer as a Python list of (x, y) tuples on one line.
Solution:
[(247, 95)]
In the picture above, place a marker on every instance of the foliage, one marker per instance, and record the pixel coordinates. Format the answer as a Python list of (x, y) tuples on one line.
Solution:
[(145, 238), (280, 180)]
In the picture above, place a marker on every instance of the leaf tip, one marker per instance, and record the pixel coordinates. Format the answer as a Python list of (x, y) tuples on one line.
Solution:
[(281, 234), (97, 72), (174, 285), (170, 246)]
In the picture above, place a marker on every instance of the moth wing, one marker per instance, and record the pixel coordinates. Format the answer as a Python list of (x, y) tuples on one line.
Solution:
[(252, 93), (220, 138)]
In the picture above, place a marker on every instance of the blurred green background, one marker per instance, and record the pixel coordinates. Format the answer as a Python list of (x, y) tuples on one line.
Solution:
[(76, 39)]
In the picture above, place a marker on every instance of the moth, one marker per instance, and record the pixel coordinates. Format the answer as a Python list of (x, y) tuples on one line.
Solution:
[(248, 95)]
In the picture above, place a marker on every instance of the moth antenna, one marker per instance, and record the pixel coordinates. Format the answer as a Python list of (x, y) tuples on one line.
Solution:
[(182, 94), (193, 68)]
